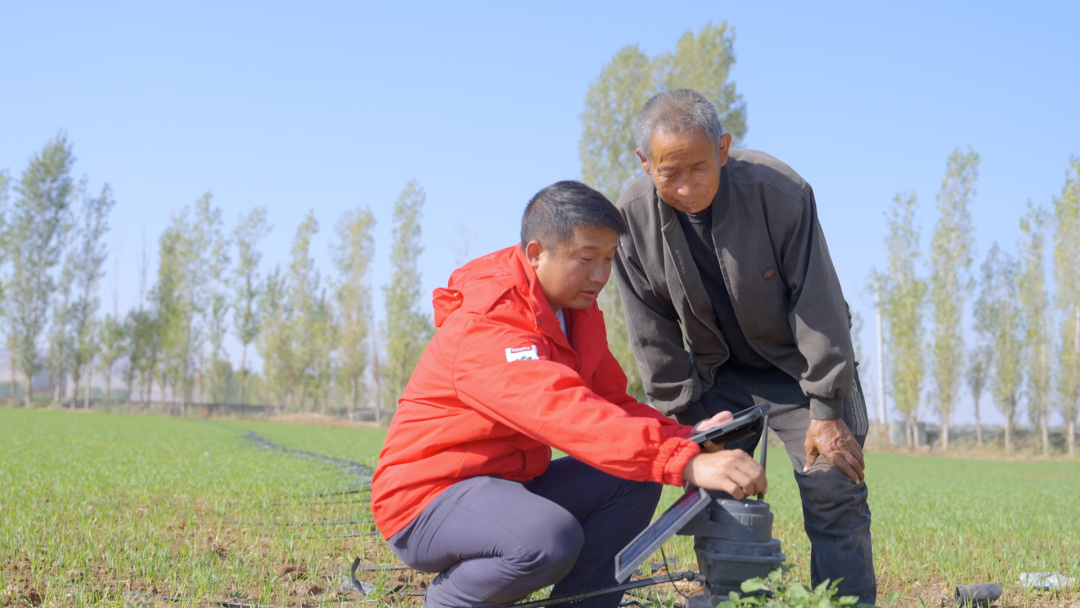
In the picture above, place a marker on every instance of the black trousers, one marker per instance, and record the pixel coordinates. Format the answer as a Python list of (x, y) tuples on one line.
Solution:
[(836, 516), (495, 540)]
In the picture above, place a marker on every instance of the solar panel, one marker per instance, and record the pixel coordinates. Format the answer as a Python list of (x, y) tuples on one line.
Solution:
[(650, 539)]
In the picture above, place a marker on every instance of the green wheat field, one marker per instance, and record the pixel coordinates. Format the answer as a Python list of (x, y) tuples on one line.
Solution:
[(118, 510)]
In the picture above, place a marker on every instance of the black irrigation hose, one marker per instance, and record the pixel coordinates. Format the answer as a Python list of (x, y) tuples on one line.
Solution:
[(566, 599), (362, 472), (366, 589), (320, 502), (344, 492)]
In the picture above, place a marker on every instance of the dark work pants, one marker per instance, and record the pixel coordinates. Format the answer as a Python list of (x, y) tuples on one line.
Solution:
[(495, 540), (835, 513)]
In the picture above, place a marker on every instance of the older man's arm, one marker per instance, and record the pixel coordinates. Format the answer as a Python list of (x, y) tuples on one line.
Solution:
[(819, 321), (655, 336)]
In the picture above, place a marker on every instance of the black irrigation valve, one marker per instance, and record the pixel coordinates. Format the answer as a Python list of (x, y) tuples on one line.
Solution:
[(732, 538), (733, 541)]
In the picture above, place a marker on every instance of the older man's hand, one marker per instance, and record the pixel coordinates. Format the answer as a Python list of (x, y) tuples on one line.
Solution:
[(833, 440)]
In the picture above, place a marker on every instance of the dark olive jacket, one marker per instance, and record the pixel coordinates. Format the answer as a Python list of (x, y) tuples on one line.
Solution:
[(777, 269)]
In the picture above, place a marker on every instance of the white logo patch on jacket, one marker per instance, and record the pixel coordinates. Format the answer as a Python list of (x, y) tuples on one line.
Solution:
[(522, 353)]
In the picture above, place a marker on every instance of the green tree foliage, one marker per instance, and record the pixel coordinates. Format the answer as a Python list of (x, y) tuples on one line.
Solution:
[(59, 359), (703, 63), (214, 302), (143, 329), (325, 339), (904, 297), (999, 311), (191, 263), (408, 329), (1066, 223), (353, 255), (172, 302), (5, 185), (608, 161), (40, 219), (88, 258), (181, 295), (112, 342), (274, 342), (978, 370), (950, 280), (251, 229), (1035, 302), (303, 292)]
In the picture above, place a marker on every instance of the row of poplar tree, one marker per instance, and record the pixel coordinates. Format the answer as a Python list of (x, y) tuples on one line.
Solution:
[(318, 344), (1023, 349), (315, 337)]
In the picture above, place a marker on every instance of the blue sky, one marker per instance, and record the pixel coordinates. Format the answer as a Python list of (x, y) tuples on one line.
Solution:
[(334, 106)]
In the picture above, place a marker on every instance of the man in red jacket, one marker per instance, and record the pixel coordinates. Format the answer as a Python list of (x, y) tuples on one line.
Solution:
[(465, 485)]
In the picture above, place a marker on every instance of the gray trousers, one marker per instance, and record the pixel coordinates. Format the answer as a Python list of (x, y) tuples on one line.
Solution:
[(836, 516), (494, 540)]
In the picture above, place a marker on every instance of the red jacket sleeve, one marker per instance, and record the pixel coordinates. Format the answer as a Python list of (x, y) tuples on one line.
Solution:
[(550, 402)]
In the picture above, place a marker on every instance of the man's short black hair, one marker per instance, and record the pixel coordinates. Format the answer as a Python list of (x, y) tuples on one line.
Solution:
[(553, 213)]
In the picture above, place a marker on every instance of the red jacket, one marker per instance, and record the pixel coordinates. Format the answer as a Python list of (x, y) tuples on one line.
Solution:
[(500, 383)]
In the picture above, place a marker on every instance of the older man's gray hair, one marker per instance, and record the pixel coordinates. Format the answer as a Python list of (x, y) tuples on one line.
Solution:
[(676, 111)]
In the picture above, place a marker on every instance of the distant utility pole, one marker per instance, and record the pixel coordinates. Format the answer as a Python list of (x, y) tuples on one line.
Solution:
[(881, 362)]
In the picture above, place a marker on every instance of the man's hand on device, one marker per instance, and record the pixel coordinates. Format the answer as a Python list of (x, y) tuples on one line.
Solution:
[(833, 440), (731, 471)]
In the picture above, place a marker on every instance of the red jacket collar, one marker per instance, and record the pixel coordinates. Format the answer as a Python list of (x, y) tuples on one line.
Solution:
[(478, 284)]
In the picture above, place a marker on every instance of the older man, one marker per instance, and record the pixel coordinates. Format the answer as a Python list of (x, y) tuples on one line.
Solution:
[(731, 298)]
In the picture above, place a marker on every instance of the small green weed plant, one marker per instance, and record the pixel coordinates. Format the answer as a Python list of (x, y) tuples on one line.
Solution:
[(777, 590)]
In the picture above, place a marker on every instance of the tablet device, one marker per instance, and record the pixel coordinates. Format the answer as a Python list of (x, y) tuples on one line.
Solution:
[(745, 424)]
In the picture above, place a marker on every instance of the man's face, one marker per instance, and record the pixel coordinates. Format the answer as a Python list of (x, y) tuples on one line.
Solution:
[(573, 274), (686, 168)]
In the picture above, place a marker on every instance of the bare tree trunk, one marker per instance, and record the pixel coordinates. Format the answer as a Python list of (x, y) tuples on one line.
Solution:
[(978, 422), (1045, 424), (108, 384), (89, 381), (29, 390), (355, 397), (945, 435), (14, 384), (243, 372), (1071, 432), (162, 390), (1008, 434)]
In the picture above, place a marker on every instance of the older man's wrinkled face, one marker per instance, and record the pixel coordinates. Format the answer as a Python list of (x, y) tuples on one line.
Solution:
[(686, 168)]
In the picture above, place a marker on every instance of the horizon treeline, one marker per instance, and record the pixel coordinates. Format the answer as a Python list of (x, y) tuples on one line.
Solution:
[(1023, 347), (314, 333)]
